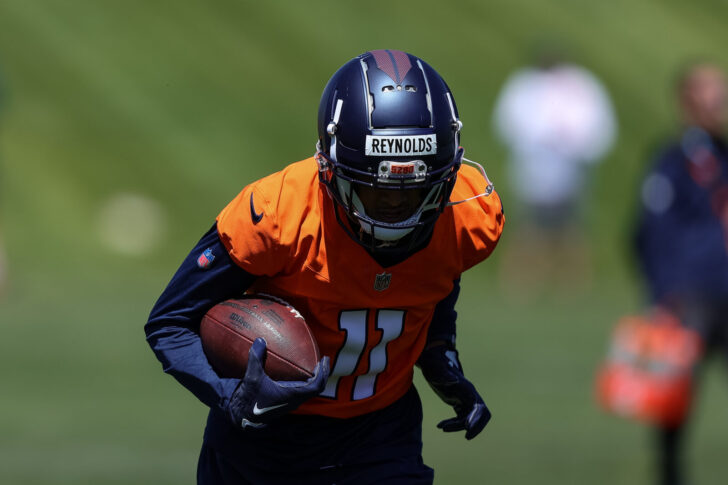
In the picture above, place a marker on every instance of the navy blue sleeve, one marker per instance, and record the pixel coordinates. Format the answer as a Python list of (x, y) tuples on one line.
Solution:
[(442, 327), (679, 241), (656, 241), (172, 330)]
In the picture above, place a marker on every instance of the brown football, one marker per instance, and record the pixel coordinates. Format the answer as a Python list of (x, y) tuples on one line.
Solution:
[(229, 328)]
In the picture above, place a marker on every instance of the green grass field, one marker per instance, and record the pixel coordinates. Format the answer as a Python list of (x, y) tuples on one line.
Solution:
[(184, 102)]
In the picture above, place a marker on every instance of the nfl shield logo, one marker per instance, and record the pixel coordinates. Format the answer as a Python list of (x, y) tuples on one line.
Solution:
[(205, 259), (381, 281)]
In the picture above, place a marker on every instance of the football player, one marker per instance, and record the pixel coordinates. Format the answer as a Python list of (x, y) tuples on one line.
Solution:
[(367, 239)]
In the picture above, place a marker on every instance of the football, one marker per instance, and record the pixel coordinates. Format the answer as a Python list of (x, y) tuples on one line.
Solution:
[(229, 328)]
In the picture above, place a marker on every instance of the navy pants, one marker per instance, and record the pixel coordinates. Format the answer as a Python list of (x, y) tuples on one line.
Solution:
[(383, 447), (709, 317)]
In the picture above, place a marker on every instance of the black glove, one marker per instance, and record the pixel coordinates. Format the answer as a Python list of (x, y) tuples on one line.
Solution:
[(258, 399), (441, 368)]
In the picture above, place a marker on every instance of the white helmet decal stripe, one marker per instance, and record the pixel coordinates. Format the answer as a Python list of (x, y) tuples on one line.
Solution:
[(370, 101), (429, 99), (332, 129)]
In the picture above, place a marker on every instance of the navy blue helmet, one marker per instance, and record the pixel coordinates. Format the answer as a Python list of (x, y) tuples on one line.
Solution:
[(388, 122)]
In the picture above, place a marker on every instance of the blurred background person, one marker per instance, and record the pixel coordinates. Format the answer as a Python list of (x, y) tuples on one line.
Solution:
[(682, 233), (557, 121)]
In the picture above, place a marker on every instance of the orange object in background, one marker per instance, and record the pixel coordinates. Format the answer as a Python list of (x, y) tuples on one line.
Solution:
[(649, 370)]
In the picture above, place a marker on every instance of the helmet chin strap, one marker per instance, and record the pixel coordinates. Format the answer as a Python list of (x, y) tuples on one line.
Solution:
[(488, 184)]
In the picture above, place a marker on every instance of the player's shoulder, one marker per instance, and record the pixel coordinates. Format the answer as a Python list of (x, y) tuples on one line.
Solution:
[(262, 223), (469, 177), (284, 192), (474, 226), (471, 183), (294, 178)]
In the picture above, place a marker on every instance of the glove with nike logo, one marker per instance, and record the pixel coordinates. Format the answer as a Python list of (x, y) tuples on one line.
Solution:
[(258, 399), (441, 368)]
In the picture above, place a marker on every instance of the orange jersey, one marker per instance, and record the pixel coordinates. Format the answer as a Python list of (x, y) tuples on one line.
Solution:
[(371, 321)]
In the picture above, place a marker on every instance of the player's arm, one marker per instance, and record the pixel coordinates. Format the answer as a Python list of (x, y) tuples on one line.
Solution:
[(660, 238), (441, 368), (172, 329), (173, 333)]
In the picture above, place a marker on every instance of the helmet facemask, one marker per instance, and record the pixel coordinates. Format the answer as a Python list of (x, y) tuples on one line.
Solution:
[(408, 180)]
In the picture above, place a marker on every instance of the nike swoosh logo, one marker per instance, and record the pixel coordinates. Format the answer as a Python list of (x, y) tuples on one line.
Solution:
[(246, 423), (258, 411), (254, 215)]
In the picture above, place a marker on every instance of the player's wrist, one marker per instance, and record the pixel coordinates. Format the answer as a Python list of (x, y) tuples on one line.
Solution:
[(228, 387), (436, 343), (441, 357)]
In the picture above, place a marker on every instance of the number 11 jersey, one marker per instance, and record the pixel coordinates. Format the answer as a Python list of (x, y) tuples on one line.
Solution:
[(370, 320)]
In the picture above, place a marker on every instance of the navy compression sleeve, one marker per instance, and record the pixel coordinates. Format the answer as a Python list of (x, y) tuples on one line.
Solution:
[(442, 327), (172, 330)]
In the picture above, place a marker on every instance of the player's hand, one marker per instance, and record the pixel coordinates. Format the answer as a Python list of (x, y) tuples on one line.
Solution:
[(258, 399), (442, 370)]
